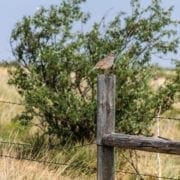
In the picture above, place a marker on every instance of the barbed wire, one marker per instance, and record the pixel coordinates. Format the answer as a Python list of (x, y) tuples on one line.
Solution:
[(170, 118), (66, 164), (21, 104), (35, 160), (149, 175), (53, 146)]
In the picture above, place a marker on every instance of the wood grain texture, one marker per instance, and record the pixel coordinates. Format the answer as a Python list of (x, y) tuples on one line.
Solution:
[(142, 143), (105, 124)]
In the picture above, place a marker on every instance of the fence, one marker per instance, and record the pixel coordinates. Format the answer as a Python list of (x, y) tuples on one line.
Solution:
[(107, 139), (58, 164)]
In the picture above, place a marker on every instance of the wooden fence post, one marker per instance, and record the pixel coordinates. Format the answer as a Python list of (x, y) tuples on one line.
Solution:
[(105, 124)]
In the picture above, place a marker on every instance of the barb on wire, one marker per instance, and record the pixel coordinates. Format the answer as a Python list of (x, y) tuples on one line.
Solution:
[(10, 102), (35, 160), (149, 175)]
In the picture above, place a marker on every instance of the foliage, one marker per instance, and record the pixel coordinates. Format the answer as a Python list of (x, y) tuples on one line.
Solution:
[(55, 60)]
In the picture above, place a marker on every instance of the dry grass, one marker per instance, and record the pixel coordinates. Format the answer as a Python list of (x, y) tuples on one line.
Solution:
[(7, 93), (30, 169), (22, 170), (26, 170), (156, 83)]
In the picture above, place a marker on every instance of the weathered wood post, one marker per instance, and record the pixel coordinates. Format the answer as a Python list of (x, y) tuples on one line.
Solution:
[(105, 125)]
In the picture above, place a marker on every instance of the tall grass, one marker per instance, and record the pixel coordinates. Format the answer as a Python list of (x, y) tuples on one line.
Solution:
[(57, 163)]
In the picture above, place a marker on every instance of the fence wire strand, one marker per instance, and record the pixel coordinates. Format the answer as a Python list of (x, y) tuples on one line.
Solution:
[(53, 146), (35, 160), (21, 104), (170, 118)]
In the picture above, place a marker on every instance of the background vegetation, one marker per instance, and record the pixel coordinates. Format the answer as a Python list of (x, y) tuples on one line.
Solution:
[(57, 89)]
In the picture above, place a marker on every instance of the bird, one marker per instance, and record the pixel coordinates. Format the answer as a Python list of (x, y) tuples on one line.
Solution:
[(105, 63)]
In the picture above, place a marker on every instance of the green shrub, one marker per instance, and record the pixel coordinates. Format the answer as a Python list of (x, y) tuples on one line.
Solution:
[(55, 60)]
